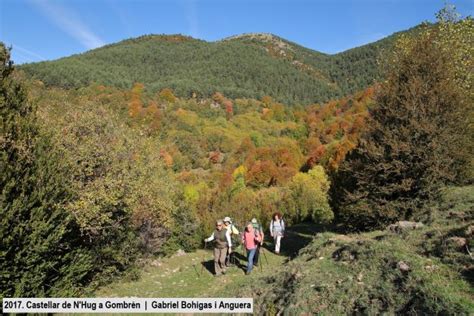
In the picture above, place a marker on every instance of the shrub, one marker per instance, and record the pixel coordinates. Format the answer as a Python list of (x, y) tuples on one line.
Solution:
[(309, 192)]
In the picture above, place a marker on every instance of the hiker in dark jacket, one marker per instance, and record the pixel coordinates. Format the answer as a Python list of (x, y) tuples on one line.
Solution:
[(277, 230), (222, 246), (250, 239), (259, 229)]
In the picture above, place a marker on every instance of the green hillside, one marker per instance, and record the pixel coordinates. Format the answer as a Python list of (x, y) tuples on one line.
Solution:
[(249, 65), (380, 272), (392, 272)]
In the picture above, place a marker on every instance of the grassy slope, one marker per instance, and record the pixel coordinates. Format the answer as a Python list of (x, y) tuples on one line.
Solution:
[(336, 274), (180, 276), (185, 276), (340, 274)]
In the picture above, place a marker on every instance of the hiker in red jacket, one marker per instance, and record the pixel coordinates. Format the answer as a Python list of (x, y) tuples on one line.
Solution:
[(250, 238)]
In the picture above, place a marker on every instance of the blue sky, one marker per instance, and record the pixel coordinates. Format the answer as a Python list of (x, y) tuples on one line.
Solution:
[(50, 29)]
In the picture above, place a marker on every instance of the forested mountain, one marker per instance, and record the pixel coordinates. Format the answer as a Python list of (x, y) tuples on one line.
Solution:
[(249, 65), (130, 152)]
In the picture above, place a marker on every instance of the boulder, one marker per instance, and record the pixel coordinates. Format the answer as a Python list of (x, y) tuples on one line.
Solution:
[(457, 242), (402, 226), (458, 215), (402, 266), (180, 253)]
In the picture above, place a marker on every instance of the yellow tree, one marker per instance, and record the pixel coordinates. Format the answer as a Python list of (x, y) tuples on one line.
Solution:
[(167, 95), (135, 106)]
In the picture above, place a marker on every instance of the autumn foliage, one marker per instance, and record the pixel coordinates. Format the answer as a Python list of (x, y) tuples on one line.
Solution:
[(135, 106), (167, 95), (264, 148)]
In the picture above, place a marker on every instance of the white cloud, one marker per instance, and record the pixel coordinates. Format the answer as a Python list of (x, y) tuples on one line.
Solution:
[(27, 54), (69, 22)]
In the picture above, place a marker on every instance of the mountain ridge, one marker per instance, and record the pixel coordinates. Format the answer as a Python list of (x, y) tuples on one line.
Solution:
[(249, 65)]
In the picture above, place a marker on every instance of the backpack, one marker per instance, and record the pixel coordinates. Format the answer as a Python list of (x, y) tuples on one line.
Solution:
[(236, 240), (282, 224), (232, 227), (258, 229), (256, 234)]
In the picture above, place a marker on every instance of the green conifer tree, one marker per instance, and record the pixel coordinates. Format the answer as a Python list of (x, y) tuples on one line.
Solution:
[(418, 136), (40, 253)]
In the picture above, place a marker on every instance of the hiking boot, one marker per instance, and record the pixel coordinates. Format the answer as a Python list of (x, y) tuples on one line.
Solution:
[(224, 271), (247, 272), (217, 274)]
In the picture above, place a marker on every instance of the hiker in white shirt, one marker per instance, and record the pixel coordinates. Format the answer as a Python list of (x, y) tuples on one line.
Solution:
[(277, 230)]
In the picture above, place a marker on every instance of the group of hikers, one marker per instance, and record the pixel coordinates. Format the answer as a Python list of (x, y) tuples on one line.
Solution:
[(226, 238)]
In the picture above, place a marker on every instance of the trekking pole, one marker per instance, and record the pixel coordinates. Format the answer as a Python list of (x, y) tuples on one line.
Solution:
[(242, 252), (261, 261), (264, 255), (194, 266), (203, 257), (233, 259)]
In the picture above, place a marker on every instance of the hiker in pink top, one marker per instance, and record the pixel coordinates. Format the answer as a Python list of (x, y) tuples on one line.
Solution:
[(250, 239)]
